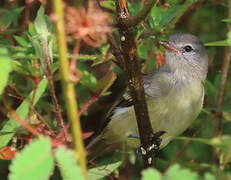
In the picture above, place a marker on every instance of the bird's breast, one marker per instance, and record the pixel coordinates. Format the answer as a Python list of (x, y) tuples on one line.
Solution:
[(175, 112)]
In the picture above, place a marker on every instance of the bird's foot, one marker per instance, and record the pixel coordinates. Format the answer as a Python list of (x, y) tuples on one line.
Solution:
[(155, 145)]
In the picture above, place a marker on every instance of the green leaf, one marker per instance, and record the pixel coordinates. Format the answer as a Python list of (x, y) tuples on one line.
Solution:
[(88, 80), (142, 49), (219, 43), (211, 91), (209, 176), (108, 4), (226, 20), (223, 142), (177, 173), (35, 161), (166, 18), (9, 16), (40, 23), (5, 64), (12, 125), (151, 174), (67, 164), (171, 16), (21, 41), (155, 18), (102, 171)]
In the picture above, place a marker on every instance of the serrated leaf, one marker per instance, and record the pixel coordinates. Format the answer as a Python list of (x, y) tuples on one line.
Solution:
[(68, 164), (35, 161), (175, 172), (5, 64), (151, 174), (12, 125), (102, 171)]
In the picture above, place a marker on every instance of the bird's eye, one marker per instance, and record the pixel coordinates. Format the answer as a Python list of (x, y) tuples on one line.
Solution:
[(188, 48)]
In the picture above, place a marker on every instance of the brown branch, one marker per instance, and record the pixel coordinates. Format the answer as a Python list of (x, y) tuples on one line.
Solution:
[(221, 91), (26, 125), (51, 85), (132, 21), (116, 51), (135, 83)]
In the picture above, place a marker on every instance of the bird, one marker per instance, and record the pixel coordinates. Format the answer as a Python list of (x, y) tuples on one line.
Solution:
[(174, 94)]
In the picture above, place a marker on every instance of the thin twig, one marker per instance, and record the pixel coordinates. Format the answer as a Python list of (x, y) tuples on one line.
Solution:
[(69, 88), (73, 69), (221, 91), (52, 88), (116, 51), (32, 99), (96, 96), (26, 125)]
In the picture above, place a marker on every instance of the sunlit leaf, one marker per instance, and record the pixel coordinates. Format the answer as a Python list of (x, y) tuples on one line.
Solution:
[(40, 23), (5, 64), (67, 164), (151, 174), (35, 161), (175, 172)]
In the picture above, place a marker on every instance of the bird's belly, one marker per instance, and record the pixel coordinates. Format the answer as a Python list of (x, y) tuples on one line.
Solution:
[(173, 114)]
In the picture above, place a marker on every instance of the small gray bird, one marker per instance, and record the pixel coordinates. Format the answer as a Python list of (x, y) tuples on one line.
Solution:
[(174, 95)]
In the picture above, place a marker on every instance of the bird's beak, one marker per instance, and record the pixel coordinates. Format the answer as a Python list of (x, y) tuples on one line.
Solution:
[(169, 46)]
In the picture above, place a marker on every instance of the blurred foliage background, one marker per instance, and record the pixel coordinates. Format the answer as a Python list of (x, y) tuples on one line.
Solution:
[(202, 152)]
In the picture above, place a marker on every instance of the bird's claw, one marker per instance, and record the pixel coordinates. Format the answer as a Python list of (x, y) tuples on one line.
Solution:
[(155, 145)]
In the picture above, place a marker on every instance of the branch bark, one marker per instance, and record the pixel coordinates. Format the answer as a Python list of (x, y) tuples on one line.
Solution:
[(221, 91), (140, 16), (133, 71), (224, 74)]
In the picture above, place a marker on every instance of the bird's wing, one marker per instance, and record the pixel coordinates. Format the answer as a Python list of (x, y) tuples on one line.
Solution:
[(156, 85), (159, 84)]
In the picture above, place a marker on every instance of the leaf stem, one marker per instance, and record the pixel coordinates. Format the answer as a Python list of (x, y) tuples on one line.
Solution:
[(68, 87)]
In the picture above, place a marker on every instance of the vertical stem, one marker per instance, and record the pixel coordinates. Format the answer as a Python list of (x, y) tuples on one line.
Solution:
[(225, 67), (135, 83), (51, 85), (221, 91), (68, 88)]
